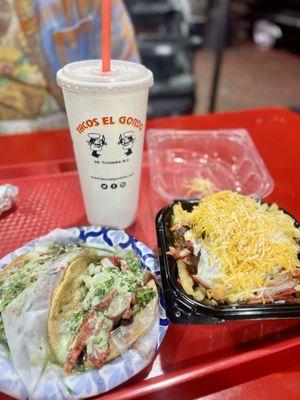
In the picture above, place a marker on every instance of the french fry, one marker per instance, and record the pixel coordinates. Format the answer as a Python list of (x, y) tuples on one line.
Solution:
[(198, 294), (185, 278)]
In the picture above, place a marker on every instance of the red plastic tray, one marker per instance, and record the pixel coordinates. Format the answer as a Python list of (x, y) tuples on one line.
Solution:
[(49, 199), (54, 200), (223, 355)]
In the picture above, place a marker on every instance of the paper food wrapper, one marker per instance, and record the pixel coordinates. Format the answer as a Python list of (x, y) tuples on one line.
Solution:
[(27, 369), (8, 196)]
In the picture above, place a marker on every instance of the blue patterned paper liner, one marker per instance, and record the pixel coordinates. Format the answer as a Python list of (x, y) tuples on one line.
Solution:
[(112, 374)]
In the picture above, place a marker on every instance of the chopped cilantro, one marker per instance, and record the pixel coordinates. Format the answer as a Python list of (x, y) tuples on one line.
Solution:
[(4, 303), (70, 391), (2, 331), (99, 292), (134, 264), (76, 319), (110, 282), (144, 296), (79, 368)]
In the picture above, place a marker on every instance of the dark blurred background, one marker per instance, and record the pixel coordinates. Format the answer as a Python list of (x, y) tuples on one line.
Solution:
[(219, 55), (206, 55)]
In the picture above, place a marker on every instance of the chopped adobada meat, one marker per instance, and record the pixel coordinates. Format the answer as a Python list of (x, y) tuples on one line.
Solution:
[(127, 314), (91, 326), (119, 262), (178, 254), (181, 229), (147, 276), (189, 245), (106, 301)]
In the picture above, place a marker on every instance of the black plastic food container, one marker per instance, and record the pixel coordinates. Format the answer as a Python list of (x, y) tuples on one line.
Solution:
[(181, 309)]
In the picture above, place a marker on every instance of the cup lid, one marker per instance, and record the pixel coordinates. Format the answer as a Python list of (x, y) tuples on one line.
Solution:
[(88, 76)]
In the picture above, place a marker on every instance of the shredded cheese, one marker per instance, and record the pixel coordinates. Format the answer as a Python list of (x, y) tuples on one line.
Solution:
[(199, 187), (180, 216), (251, 242)]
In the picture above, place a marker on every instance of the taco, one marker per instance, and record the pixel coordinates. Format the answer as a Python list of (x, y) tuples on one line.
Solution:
[(99, 310), (24, 270)]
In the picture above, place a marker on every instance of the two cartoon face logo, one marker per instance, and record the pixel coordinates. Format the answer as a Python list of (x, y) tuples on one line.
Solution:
[(126, 140), (97, 141)]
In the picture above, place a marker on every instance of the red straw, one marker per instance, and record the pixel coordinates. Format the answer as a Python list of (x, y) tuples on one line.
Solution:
[(105, 35)]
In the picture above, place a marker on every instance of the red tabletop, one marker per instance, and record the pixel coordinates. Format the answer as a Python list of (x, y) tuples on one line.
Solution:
[(26, 159)]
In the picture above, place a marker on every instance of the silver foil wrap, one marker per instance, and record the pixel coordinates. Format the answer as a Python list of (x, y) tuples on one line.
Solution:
[(8, 196)]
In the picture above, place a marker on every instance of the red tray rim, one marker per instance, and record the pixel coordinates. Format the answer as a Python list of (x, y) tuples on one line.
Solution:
[(188, 374)]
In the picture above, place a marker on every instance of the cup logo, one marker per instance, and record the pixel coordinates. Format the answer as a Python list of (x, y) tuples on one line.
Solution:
[(96, 143), (126, 140)]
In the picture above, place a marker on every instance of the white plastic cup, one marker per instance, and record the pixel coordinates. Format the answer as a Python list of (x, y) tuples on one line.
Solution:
[(106, 114)]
